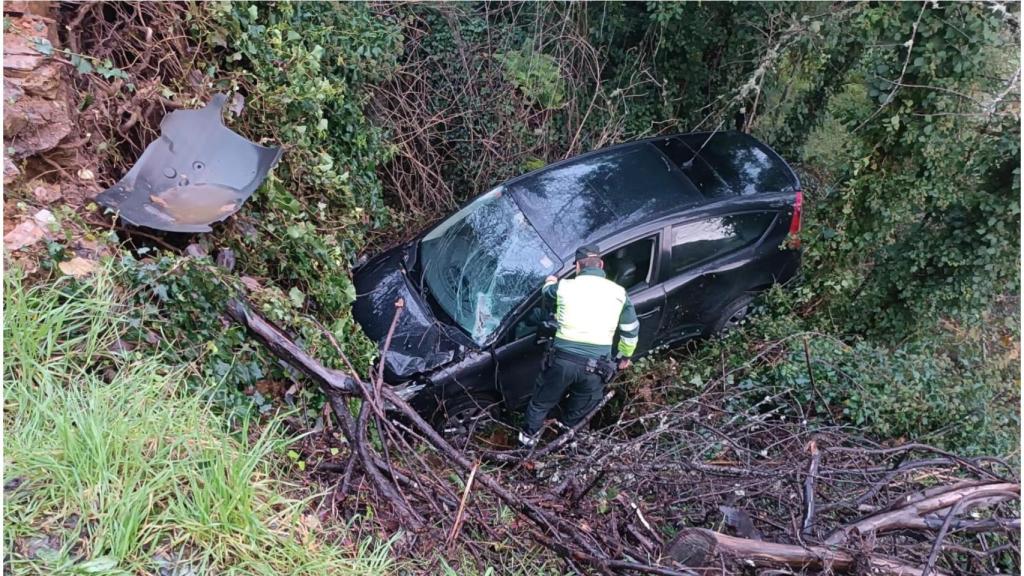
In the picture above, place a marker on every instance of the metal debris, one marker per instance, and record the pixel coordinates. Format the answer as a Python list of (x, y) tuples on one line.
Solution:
[(198, 172)]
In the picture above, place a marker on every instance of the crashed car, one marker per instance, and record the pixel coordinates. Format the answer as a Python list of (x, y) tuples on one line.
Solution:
[(692, 225)]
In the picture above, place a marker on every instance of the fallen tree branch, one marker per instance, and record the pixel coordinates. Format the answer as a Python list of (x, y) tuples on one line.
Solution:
[(285, 348), (457, 525), (937, 546), (699, 548), (812, 475), (906, 516), (1011, 525), (923, 448)]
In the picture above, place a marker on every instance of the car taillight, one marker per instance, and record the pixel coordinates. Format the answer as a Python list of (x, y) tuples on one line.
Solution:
[(794, 225)]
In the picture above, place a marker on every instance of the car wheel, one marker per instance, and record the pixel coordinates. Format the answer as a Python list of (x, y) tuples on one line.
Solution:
[(462, 416), (733, 314)]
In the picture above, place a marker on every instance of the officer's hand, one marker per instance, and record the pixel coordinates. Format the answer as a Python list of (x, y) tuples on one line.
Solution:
[(551, 279), (625, 363)]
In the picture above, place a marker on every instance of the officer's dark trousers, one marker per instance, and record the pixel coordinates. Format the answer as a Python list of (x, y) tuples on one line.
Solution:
[(585, 391)]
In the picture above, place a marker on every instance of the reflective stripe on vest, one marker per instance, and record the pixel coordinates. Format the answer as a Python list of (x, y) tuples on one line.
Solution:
[(588, 309)]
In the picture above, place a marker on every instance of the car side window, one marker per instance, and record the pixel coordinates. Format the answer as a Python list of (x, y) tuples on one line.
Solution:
[(696, 242), (629, 266)]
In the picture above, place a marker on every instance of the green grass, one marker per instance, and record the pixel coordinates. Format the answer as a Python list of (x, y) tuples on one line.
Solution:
[(120, 471)]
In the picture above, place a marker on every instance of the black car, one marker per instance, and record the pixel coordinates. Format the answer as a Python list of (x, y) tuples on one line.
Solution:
[(692, 225)]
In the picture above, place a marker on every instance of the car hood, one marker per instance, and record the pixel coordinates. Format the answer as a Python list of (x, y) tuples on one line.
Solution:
[(420, 342)]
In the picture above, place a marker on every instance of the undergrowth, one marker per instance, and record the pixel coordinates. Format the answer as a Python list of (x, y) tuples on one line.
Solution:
[(958, 389)]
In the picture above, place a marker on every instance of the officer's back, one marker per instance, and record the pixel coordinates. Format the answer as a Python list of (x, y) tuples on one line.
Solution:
[(588, 309)]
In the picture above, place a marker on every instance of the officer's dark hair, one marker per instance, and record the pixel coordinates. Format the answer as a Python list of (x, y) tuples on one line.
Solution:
[(591, 262)]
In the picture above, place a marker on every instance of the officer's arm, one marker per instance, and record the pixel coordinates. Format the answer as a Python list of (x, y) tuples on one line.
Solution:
[(550, 289), (629, 329)]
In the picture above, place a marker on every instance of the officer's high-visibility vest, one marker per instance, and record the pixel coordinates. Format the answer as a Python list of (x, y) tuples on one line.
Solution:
[(588, 309)]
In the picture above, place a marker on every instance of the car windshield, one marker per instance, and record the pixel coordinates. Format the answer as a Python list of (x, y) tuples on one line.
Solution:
[(483, 261)]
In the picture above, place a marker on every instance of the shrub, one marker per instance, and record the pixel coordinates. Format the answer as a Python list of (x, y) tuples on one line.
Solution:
[(536, 75), (304, 69), (956, 388)]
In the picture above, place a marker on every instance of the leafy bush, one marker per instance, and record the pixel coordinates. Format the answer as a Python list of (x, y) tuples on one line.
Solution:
[(536, 75), (957, 388), (924, 222), (182, 301), (304, 69), (919, 216)]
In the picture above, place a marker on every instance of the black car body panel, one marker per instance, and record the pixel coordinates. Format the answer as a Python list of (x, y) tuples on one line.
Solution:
[(727, 164), (420, 342), (687, 223)]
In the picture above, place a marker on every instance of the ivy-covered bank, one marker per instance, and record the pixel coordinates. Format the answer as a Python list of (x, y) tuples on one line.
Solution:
[(303, 72), (903, 120)]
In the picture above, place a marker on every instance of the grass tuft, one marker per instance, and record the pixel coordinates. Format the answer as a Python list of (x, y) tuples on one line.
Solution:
[(111, 468)]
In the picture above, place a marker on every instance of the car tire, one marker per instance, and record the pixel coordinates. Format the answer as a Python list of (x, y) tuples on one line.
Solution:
[(733, 314), (459, 416)]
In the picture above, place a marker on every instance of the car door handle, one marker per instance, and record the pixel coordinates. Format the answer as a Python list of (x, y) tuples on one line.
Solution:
[(649, 313)]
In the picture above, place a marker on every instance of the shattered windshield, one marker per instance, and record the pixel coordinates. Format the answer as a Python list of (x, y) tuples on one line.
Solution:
[(483, 261)]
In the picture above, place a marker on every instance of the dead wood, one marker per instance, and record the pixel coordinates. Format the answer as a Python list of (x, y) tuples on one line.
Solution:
[(285, 348), (812, 475), (682, 463), (909, 514), (700, 548)]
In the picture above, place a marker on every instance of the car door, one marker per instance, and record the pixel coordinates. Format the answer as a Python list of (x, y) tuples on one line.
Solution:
[(518, 360), (713, 260)]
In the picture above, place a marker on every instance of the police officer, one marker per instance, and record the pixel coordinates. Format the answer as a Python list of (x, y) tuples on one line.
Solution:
[(588, 309)]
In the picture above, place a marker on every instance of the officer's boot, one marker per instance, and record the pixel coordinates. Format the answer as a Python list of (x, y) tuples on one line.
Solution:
[(528, 441)]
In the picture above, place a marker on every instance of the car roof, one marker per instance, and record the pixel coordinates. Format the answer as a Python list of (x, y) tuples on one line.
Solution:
[(594, 195), (600, 193)]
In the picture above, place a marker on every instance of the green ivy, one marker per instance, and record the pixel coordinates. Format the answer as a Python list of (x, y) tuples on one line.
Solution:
[(925, 219), (305, 70)]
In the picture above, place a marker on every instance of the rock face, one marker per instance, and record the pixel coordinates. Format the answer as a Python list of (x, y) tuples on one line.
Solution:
[(37, 110)]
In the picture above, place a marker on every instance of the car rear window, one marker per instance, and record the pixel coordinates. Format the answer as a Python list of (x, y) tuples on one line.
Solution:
[(702, 240), (728, 163), (706, 180)]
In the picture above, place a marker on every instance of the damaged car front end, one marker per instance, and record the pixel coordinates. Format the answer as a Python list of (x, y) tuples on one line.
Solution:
[(460, 283)]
